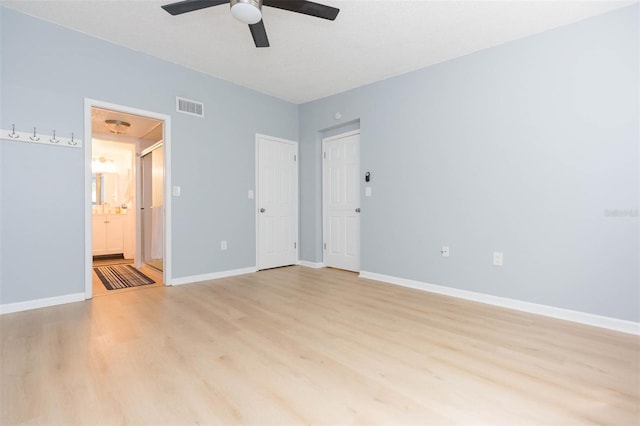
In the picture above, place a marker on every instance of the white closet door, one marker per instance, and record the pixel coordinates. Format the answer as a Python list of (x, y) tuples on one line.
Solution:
[(341, 201), (277, 203)]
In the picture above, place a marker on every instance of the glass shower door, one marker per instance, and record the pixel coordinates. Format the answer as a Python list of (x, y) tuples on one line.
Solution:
[(152, 165)]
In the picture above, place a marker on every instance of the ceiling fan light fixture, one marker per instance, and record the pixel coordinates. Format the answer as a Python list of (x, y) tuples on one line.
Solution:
[(246, 11), (250, 12), (118, 127)]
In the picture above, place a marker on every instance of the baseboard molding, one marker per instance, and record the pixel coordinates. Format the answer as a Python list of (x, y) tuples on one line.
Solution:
[(624, 326), (9, 308), (212, 276), (311, 264)]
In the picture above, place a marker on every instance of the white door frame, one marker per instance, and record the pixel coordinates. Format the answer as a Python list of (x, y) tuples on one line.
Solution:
[(324, 207), (88, 217), (257, 194)]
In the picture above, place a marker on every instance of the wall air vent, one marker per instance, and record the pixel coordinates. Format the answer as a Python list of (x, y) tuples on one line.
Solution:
[(187, 106)]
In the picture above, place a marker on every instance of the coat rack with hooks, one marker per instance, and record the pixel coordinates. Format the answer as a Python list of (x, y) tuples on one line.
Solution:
[(41, 138)]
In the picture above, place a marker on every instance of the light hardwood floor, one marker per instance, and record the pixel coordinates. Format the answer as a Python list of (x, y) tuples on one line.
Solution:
[(303, 346)]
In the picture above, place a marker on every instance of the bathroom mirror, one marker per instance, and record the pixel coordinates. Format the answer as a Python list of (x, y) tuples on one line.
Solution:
[(105, 189), (97, 188)]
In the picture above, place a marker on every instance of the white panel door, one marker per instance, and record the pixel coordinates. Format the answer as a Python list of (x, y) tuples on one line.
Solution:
[(341, 201), (277, 202)]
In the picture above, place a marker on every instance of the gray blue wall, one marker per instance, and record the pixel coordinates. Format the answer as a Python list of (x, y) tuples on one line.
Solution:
[(523, 148), (46, 72)]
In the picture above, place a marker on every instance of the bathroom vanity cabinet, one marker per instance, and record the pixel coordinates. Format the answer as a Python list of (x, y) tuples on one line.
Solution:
[(108, 234)]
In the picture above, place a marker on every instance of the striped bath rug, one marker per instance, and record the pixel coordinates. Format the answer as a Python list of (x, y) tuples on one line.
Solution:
[(121, 276)]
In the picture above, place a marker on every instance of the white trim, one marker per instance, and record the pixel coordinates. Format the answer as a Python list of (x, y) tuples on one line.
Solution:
[(88, 203), (88, 237), (213, 276), (311, 264), (257, 192), (167, 268), (256, 184), (152, 148), (534, 308), (341, 136), (9, 308)]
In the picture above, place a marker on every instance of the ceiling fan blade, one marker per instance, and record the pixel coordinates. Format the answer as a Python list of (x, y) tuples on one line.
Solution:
[(191, 5), (306, 7), (259, 34)]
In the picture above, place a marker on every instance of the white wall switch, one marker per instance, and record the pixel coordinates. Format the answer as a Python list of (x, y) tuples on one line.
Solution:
[(176, 191), (445, 251), (498, 258), (250, 194), (223, 245), (367, 191)]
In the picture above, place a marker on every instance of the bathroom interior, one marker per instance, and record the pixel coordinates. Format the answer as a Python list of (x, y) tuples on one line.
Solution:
[(127, 177)]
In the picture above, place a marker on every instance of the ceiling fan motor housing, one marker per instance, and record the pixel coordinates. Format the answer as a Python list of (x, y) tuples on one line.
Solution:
[(250, 12), (247, 11)]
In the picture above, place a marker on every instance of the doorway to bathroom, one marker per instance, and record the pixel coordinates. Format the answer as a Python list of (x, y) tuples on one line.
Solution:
[(125, 222)]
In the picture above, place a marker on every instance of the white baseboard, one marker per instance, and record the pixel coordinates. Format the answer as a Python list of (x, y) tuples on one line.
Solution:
[(534, 308), (311, 264), (212, 276), (41, 303)]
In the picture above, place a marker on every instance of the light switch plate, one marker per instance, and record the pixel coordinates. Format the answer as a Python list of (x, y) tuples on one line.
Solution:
[(176, 191), (367, 191), (250, 194), (498, 258), (445, 251)]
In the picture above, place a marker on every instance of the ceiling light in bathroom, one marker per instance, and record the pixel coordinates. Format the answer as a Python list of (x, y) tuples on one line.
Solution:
[(118, 127)]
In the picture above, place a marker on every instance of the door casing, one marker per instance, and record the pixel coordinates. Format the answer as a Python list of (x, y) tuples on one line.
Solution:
[(88, 220)]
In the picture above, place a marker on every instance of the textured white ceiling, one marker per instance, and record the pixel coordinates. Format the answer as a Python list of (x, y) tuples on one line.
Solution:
[(311, 58)]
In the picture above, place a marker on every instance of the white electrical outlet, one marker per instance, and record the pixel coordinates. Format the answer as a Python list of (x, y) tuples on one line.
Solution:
[(445, 251), (498, 258), (250, 194), (223, 245)]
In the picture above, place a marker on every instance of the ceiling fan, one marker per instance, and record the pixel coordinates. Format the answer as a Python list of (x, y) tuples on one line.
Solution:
[(249, 12)]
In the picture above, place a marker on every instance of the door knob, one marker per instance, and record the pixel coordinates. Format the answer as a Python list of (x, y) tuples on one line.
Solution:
[(262, 210), (358, 210)]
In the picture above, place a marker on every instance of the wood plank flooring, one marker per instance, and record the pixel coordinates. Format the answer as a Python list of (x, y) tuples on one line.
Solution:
[(296, 346)]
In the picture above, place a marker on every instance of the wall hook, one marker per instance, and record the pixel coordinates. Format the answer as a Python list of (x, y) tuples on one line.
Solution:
[(13, 133), (34, 138), (40, 138), (53, 138)]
